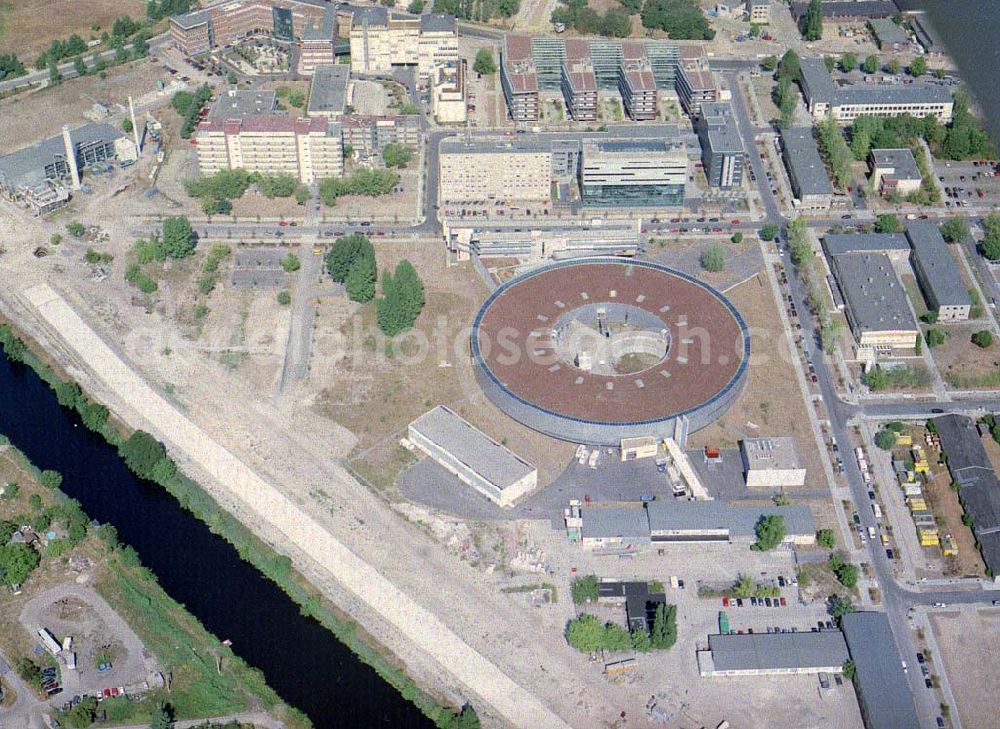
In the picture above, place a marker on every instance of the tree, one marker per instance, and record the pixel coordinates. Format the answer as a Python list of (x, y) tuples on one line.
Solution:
[(955, 229), (80, 67), (849, 670), (16, 562), (50, 479), (402, 300), (770, 531), (918, 66), (870, 65), (585, 633), (798, 241), (284, 298), (127, 125), (584, 589), (360, 279), (681, 19), (272, 186), (847, 574), (826, 538), (344, 252), (54, 75), (142, 452), (829, 334), (982, 339), (396, 155), (790, 66), (935, 338), (892, 67), (713, 259), (140, 46), (302, 194), (291, 263), (830, 62), (232, 79), (885, 439), (641, 642), (416, 7), (812, 21), (888, 223), (769, 231), (664, 633), (736, 238), (83, 714), (770, 63), (161, 717), (484, 63), (848, 62), (178, 237)]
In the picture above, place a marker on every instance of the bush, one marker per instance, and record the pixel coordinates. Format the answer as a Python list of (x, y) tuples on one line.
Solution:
[(587, 634), (75, 228), (397, 155), (982, 339), (769, 232), (713, 259), (291, 263), (584, 589), (885, 439), (847, 574), (826, 538), (935, 338), (284, 298), (272, 186), (371, 183), (50, 479), (484, 63), (141, 452), (178, 237)]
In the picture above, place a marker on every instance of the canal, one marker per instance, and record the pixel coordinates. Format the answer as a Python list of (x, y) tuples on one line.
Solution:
[(308, 667)]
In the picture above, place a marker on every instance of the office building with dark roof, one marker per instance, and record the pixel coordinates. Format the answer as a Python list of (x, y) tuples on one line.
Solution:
[(328, 91), (883, 693), (937, 272), (806, 172), (722, 151), (579, 84), (235, 103), (894, 171)]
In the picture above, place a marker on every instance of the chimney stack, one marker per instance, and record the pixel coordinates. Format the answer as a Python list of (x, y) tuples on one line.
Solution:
[(74, 173), (135, 127)]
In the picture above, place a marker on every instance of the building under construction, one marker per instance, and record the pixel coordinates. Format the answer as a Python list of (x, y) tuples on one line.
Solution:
[(41, 177)]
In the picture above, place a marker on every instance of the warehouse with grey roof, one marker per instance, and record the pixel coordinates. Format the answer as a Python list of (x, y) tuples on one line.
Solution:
[(759, 654), (472, 456), (883, 693), (877, 308), (806, 172), (937, 272)]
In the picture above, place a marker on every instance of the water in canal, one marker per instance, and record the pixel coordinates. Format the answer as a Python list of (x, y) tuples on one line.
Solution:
[(303, 662)]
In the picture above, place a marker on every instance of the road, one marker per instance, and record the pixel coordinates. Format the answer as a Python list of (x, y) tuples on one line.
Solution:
[(67, 71)]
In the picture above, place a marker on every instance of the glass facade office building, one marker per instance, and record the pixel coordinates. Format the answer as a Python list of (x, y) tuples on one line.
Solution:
[(633, 173)]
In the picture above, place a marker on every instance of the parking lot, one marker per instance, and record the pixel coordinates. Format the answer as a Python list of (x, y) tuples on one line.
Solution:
[(969, 184)]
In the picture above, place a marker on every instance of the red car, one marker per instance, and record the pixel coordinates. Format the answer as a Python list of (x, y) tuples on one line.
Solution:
[(783, 603), (725, 602)]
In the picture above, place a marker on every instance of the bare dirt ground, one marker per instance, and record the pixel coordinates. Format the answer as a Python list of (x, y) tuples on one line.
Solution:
[(970, 643), (32, 116), (28, 26), (771, 404)]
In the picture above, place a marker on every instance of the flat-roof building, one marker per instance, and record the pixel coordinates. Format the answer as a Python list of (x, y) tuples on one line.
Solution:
[(317, 42), (715, 521), (722, 151), (849, 9), (233, 103), (472, 456), (633, 173), (368, 136), (382, 38), (894, 245), (537, 244), (847, 103), (309, 149), (759, 11), (876, 305), (696, 86), (761, 654), (883, 693), (937, 273), (328, 91), (772, 462), (614, 526), (448, 93), (508, 170), (894, 171), (806, 172)]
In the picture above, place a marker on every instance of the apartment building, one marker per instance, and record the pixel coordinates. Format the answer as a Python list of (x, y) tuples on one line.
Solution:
[(498, 169), (696, 86), (381, 39), (579, 84), (368, 136), (636, 83), (316, 43), (633, 173), (226, 22), (759, 11), (310, 149)]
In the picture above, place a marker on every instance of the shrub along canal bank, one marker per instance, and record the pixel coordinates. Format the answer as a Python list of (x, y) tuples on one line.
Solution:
[(238, 586)]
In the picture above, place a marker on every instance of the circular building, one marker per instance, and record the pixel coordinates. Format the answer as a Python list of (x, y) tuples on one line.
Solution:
[(596, 350)]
